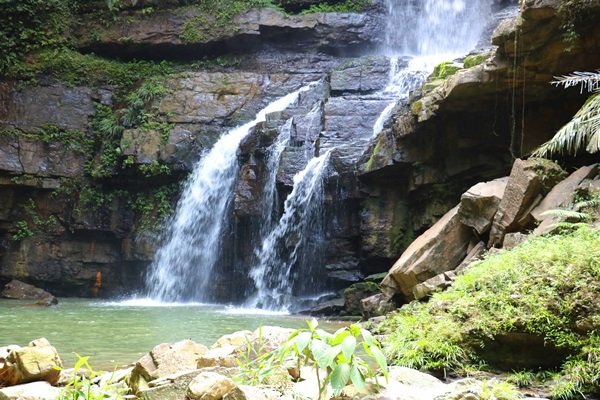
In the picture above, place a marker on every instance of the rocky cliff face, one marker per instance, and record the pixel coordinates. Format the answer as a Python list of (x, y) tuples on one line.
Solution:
[(90, 168)]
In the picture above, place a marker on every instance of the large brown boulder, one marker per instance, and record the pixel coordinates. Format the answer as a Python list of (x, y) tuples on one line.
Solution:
[(16, 289), (441, 248), (36, 362), (560, 196), (527, 185), (165, 359), (479, 204), (210, 386)]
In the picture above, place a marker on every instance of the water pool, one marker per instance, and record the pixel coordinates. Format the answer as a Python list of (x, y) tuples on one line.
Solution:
[(115, 334)]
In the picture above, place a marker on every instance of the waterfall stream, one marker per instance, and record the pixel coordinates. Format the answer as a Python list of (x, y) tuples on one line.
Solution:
[(287, 263), (183, 265)]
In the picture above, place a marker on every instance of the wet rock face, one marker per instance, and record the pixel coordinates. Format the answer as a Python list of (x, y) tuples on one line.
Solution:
[(177, 32)]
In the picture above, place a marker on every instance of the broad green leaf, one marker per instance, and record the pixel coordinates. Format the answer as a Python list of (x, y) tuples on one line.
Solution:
[(355, 329), (380, 360), (312, 324), (302, 341), (339, 378), (328, 359), (319, 350), (339, 336), (367, 336), (357, 378), (323, 334), (348, 347)]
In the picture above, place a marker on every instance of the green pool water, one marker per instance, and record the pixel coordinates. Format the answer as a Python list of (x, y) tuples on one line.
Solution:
[(114, 334)]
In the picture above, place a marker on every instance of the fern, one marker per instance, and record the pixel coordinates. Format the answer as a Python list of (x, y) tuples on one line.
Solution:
[(583, 131)]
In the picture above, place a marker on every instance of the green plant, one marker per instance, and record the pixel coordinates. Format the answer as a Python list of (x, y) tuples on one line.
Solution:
[(23, 231), (335, 355), (495, 389), (346, 6), (86, 384), (583, 131), (522, 378), (28, 25), (546, 287)]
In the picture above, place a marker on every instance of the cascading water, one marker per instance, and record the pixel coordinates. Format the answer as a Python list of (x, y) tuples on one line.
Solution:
[(431, 32), (425, 31), (183, 265), (298, 234)]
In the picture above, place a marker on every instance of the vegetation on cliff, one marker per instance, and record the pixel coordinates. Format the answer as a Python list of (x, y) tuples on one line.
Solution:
[(545, 289)]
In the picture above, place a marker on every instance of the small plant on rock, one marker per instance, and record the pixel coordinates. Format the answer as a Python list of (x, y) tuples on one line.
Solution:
[(334, 356), (88, 384)]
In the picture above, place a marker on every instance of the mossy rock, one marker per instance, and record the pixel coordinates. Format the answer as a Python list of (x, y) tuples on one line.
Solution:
[(355, 293), (444, 70)]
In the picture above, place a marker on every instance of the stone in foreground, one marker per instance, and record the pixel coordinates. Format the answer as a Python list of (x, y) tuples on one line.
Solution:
[(210, 386), (36, 362), (30, 391)]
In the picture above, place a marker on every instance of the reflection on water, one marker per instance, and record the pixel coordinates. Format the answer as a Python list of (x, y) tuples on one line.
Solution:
[(118, 333)]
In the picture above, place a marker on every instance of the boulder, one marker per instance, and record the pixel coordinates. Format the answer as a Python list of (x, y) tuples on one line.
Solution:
[(356, 293), (431, 285), (223, 356), (409, 384), (560, 196), (36, 362), (441, 248), (16, 289), (30, 391), (479, 204), (165, 359), (512, 240), (246, 392), (236, 339), (474, 254), (210, 386), (527, 185), (376, 305), (170, 387)]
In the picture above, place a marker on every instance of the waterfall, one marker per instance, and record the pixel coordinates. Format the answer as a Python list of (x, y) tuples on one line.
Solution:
[(298, 234), (430, 31), (182, 267), (288, 260)]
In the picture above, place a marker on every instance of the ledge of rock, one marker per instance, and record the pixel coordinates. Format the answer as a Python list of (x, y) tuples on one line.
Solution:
[(166, 31)]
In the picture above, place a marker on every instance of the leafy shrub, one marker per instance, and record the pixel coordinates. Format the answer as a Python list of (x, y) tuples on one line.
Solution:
[(546, 287), (334, 358)]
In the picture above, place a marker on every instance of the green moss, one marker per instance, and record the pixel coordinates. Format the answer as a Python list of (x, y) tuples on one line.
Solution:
[(545, 287), (346, 6), (28, 25), (401, 234), (444, 70), (74, 68), (474, 60)]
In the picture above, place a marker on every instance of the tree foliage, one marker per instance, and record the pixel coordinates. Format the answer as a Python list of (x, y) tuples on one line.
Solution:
[(583, 131)]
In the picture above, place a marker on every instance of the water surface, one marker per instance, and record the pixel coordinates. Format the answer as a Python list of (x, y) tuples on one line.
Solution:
[(118, 333)]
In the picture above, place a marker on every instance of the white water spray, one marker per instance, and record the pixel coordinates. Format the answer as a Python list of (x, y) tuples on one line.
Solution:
[(182, 267)]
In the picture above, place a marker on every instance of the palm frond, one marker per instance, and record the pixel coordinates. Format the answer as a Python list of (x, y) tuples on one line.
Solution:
[(579, 133), (589, 81), (566, 215)]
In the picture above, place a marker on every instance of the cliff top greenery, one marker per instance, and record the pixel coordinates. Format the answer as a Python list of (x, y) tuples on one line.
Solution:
[(548, 287)]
